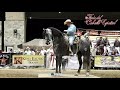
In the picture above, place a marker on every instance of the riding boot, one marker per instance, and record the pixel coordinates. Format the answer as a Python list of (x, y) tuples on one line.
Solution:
[(70, 49)]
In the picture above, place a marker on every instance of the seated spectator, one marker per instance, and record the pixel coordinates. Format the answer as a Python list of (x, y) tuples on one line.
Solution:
[(98, 51), (106, 53), (115, 52)]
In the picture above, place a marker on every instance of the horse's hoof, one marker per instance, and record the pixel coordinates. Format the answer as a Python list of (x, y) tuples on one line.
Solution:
[(87, 74), (52, 74), (76, 74)]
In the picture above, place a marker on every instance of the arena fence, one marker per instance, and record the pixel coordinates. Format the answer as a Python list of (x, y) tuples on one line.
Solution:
[(21, 60), (12, 59), (107, 61)]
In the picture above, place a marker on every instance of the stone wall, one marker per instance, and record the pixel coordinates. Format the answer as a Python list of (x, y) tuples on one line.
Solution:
[(14, 20)]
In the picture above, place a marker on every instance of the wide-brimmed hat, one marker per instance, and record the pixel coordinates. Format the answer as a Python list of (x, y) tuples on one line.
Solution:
[(67, 21)]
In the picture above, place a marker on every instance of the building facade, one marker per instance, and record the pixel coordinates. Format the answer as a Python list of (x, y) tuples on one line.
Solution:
[(14, 29)]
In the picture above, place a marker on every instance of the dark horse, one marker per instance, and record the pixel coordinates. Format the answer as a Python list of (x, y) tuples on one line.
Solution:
[(61, 48)]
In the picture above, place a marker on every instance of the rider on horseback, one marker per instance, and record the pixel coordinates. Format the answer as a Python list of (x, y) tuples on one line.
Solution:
[(70, 32)]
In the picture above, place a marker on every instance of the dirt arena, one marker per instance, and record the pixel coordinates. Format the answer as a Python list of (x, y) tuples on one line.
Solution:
[(33, 73)]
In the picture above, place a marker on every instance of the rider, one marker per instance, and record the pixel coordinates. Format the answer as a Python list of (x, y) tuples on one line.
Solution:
[(70, 32)]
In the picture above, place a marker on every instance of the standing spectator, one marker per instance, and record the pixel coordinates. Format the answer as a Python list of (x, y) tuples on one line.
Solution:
[(32, 52), (100, 45), (50, 58), (43, 51), (117, 45), (106, 45), (27, 51)]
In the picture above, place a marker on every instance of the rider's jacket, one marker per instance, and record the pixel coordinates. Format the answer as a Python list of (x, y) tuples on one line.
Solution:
[(71, 30)]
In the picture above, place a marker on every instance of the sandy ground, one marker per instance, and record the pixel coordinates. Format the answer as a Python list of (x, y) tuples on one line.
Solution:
[(33, 73)]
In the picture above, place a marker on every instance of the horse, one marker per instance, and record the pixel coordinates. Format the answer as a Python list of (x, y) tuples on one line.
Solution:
[(61, 48)]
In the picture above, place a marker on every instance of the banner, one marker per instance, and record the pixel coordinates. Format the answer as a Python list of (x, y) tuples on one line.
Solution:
[(5, 59), (28, 60), (107, 61), (91, 19)]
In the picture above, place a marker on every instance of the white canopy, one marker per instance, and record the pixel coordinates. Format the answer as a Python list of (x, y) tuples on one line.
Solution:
[(36, 43)]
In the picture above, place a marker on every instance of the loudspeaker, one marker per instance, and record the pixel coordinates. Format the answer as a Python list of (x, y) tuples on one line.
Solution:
[(2, 16)]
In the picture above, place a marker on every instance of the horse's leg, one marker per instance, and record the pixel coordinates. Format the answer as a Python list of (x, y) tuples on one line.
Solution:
[(57, 63), (87, 64), (80, 63), (63, 64), (60, 62), (73, 47)]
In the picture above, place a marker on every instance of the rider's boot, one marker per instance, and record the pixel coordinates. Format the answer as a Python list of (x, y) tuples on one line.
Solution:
[(70, 49)]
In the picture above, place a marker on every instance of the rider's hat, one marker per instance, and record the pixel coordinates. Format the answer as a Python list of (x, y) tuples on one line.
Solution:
[(67, 21)]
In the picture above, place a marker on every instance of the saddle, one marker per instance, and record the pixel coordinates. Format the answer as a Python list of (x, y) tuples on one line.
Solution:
[(76, 40)]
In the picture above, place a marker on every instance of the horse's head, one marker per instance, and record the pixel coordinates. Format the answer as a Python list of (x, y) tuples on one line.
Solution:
[(47, 34)]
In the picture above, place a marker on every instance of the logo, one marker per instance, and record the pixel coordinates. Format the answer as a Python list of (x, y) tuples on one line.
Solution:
[(91, 19)]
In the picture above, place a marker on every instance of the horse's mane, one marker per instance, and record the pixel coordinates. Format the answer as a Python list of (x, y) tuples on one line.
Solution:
[(56, 32)]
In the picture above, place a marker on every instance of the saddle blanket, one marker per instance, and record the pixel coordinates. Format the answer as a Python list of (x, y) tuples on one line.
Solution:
[(73, 63)]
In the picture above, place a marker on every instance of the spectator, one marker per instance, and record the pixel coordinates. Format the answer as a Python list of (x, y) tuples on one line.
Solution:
[(27, 51), (43, 51), (32, 52), (106, 45), (117, 44), (98, 51), (114, 52), (106, 53), (100, 44), (50, 58)]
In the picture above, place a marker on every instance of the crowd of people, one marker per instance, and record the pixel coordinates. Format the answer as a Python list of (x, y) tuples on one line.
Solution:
[(47, 53), (103, 47)]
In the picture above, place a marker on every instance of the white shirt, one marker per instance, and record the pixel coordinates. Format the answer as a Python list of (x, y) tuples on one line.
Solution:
[(32, 53), (27, 52), (43, 52)]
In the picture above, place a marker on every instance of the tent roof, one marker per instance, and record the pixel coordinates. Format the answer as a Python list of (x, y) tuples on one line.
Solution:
[(36, 42)]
